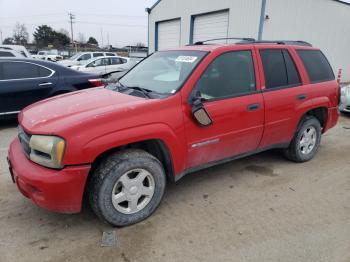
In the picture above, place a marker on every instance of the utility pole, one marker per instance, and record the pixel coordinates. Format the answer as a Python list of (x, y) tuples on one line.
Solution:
[(71, 21), (262, 19), (1, 36), (101, 37)]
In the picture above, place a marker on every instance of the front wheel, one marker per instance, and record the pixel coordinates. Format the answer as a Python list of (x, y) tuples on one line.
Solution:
[(306, 141), (127, 187)]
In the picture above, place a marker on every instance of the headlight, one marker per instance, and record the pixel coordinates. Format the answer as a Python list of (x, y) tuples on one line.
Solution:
[(47, 150)]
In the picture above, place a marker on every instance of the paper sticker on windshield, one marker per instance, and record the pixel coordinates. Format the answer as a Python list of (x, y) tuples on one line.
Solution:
[(186, 59)]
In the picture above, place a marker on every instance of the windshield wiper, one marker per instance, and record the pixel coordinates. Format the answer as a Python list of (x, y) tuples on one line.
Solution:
[(144, 91)]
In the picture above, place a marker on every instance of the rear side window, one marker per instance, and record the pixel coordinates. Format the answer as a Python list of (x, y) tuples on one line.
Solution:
[(18, 70), (279, 69), (6, 54), (97, 54), (316, 65)]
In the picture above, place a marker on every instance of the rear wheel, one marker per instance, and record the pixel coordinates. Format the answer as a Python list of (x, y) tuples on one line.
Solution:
[(127, 187), (306, 141)]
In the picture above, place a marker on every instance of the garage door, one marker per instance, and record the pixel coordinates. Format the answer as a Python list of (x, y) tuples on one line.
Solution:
[(169, 34), (210, 26)]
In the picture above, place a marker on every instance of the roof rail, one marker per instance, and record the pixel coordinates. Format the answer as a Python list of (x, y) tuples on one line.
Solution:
[(226, 38), (278, 42)]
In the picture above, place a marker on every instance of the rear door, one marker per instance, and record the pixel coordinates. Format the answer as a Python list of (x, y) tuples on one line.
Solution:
[(285, 94), (229, 89), (23, 83)]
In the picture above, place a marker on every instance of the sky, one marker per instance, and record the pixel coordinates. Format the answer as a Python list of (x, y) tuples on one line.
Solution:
[(122, 22)]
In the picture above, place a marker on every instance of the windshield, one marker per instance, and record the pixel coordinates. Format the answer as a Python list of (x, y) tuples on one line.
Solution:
[(163, 72), (75, 56)]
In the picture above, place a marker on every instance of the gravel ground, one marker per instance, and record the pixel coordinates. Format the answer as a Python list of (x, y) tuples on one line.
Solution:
[(262, 208)]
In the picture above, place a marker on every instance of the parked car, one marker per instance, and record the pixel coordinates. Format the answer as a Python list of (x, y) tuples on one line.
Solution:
[(345, 99), (106, 65), (80, 58), (25, 81), (18, 48), (174, 113), (48, 55), (9, 53)]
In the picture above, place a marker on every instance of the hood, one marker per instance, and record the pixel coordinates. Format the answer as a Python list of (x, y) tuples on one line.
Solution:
[(61, 112), (68, 62)]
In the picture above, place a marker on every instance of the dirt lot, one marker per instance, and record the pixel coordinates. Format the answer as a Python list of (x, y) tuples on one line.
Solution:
[(262, 208)]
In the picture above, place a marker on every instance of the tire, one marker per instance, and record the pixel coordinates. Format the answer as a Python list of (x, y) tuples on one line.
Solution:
[(111, 176), (298, 153)]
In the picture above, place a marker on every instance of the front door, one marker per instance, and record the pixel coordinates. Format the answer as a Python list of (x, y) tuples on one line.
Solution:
[(229, 93)]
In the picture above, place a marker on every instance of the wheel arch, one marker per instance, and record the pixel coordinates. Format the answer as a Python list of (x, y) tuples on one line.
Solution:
[(155, 147)]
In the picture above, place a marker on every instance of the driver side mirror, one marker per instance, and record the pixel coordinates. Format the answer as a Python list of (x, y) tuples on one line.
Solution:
[(199, 112)]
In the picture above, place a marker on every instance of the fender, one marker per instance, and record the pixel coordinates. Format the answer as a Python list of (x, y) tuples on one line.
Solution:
[(98, 145)]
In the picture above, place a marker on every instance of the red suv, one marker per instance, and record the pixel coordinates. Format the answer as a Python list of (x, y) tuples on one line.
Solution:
[(176, 112)]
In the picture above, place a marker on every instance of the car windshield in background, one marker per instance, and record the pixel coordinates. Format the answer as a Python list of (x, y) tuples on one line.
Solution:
[(74, 56), (163, 72)]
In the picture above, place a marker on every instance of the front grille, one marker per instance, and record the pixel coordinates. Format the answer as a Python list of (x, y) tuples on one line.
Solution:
[(24, 138)]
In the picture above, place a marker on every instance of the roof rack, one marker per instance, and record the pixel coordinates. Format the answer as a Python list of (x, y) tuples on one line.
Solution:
[(226, 38), (278, 42)]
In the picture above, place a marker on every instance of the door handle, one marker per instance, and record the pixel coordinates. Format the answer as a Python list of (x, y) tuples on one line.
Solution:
[(253, 107), (301, 97), (45, 84)]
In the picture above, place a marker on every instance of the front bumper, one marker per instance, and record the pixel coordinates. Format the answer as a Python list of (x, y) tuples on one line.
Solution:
[(56, 190)]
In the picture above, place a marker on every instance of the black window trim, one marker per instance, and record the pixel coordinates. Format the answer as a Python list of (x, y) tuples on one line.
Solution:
[(307, 73), (284, 59), (28, 78), (231, 96)]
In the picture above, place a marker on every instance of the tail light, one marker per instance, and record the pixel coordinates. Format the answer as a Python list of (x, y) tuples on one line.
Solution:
[(96, 82)]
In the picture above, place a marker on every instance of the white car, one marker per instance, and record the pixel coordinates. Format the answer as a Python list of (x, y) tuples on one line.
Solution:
[(82, 57), (17, 48), (48, 55), (104, 66), (10, 53), (345, 99)]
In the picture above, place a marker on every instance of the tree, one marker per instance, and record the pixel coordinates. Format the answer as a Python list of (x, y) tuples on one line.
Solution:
[(44, 35), (140, 44), (20, 34), (64, 31), (81, 38), (8, 41), (60, 39), (92, 41)]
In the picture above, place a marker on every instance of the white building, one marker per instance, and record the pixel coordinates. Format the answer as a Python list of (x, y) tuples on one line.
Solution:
[(323, 23)]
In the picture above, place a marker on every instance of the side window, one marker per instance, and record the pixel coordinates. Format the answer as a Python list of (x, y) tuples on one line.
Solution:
[(97, 54), (115, 61), (43, 72), (106, 61), (95, 63), (230, 74), (274, 68), (18, 70), (316, 65), (292, 71), (6, 54), (84, 57), (123, 61), (110, 54)]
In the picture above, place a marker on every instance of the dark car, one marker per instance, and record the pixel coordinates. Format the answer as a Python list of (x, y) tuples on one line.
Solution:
[(25, 81)]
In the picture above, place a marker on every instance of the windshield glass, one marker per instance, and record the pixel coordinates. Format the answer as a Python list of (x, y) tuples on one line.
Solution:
[(75, 56), (163, 72)]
